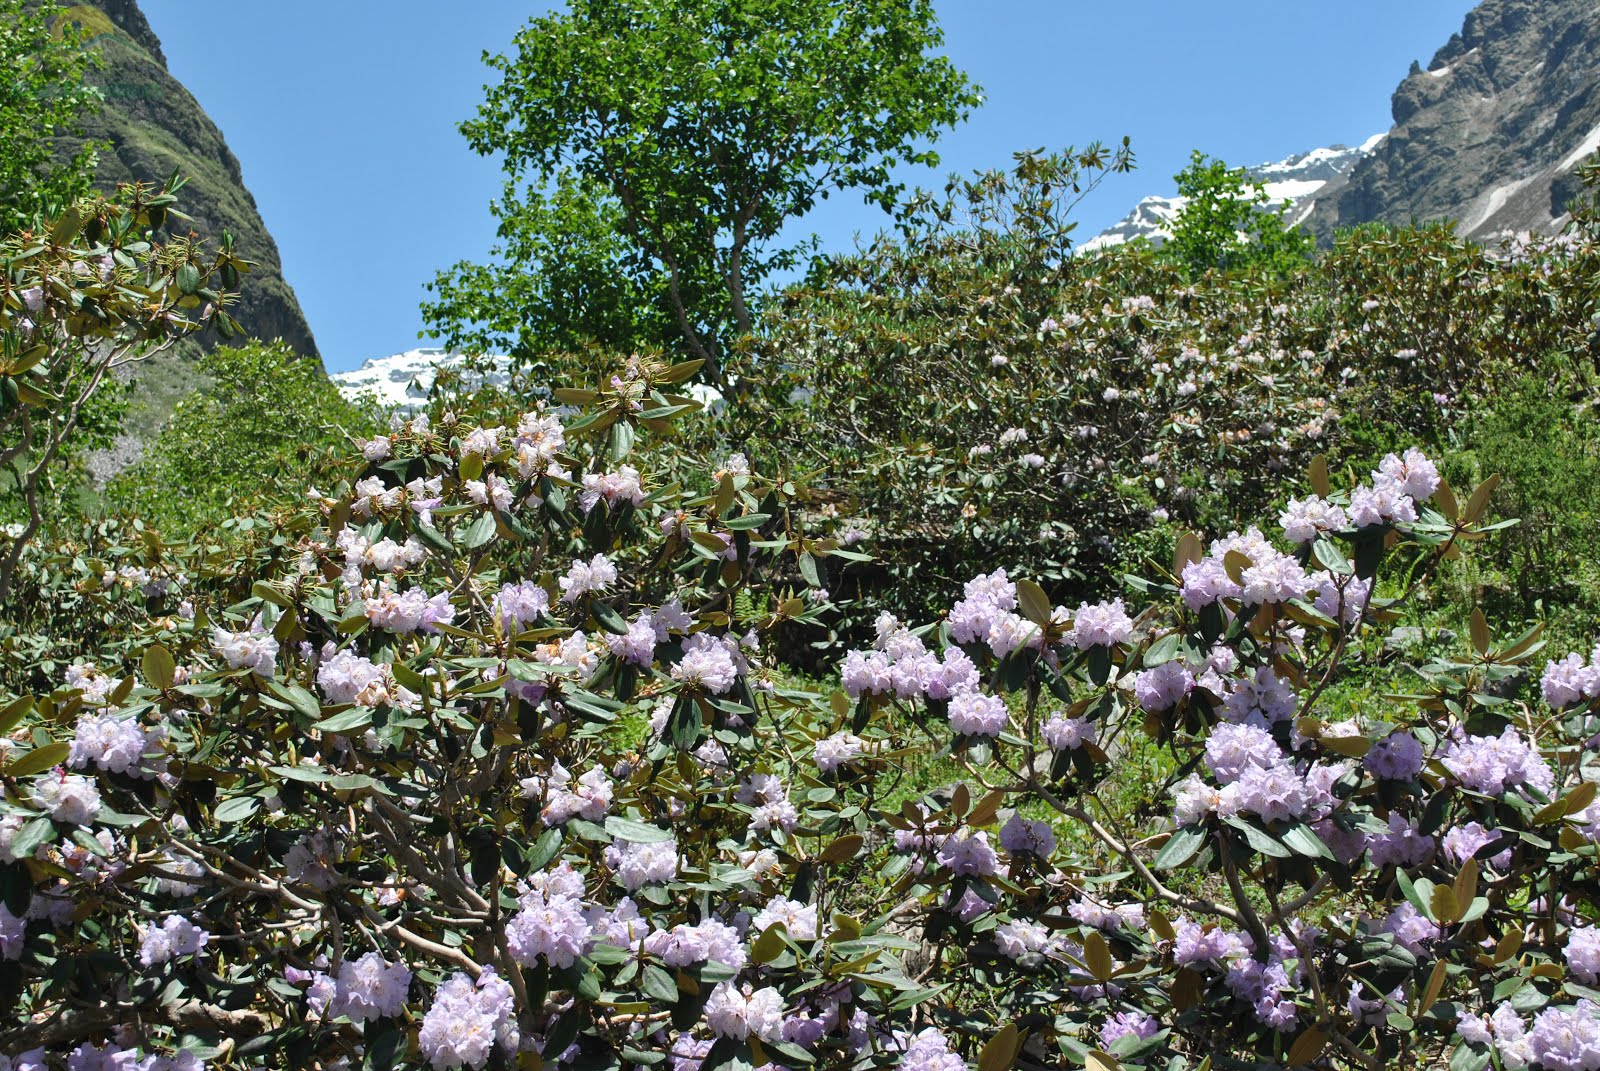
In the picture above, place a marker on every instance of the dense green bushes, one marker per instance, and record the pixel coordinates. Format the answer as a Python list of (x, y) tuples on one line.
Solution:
[(974, 396), (254, 432)]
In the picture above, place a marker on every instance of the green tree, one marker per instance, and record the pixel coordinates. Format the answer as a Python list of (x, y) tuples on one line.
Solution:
[(1228, 222), (655, 150), (43, 95), (255, 430)]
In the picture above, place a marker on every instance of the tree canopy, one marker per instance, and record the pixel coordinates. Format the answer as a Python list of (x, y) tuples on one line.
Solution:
[(656, 149)]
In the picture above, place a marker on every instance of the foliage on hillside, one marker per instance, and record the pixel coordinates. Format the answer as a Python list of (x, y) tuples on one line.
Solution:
[(255, 431), (976, 399)]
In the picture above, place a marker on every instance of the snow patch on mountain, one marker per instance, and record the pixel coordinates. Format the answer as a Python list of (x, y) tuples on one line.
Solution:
[(1296, 179), (404, 379)]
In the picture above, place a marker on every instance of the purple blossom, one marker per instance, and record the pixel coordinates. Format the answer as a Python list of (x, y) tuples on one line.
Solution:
[(975, 714), (1397, 757), (1163, 687)]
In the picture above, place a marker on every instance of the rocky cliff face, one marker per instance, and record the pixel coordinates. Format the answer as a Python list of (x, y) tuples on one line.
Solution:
[(155, 126), (1490, 134)]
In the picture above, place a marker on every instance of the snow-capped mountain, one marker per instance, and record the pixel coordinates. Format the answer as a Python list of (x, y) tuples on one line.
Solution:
[(1296, 179), (404, 379)]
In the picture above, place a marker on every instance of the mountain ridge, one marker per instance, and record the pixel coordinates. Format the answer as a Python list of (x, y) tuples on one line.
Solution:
[(154, 126)]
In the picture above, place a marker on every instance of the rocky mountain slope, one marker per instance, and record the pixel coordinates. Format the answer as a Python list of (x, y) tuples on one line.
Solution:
[(155, 126), (1489, 135)]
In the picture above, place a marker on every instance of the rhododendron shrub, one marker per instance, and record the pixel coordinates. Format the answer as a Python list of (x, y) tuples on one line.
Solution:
[(483, 762)]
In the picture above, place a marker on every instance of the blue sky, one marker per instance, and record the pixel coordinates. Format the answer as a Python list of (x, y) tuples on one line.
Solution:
[(343, 114)]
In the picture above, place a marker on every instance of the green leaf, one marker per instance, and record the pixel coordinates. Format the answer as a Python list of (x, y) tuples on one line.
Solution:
[(747, 522), (1033, 602), (31, 836), (1179, 848), (12, 713), (346, 720), (159, 668), (237, 809), (608, 619), (480, 531), (38, 760), (303, 702), (1000, 1052), (636, 832)]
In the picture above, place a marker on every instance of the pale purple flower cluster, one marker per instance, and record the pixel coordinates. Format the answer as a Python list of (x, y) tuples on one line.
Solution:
[(67, 798), (346, 677), (1127, 1024), (611, 488), (1020, 836), (1163, 687), (583, 578), (1343, 598), (95, 684), (253, 649), (986, 614), (637, 646), (1572, 680), (1257, 778), (549, 923), (1404, 845), (517, 606), (1231, 748), (738, 1012), (466, 1021), (1271, 575), (115, 743), (968, 853), (1210, 945), (1306, 518), (175, 938), (540, 437), (1112, 918), (1464, 841), (1064, 734), (1259, 699), (1398, 483), (412, 610), (638, 865), (1560, 1039), (1497, 764), (1105, 624), (1269, 987), (13, 931), (589, 797), (707, 941), (365, 989), (1412, 930), (930, 1051), (835, 751), (1373, 1011), (800, 920), (1583, 953), (975, 714), (768, 799), (1397, 757), (903, 666), (109, 1057), (710, 663), (1023, 941)]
